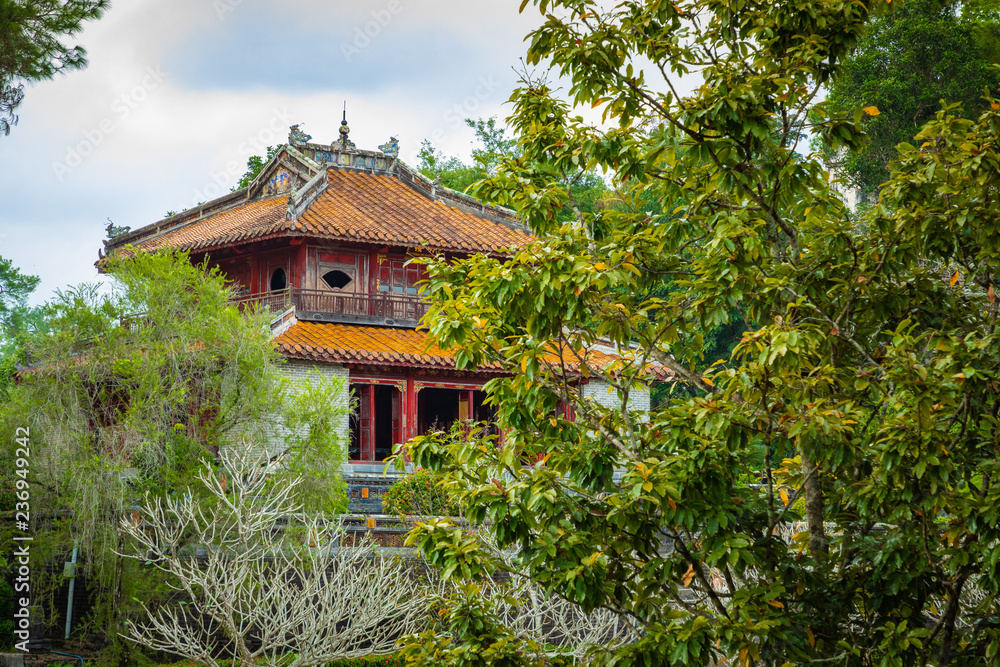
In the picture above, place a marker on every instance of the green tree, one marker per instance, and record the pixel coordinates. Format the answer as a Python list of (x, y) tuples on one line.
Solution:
[(16, 319), (30, 46), (869, 371), (908, 61), (450, 172), (255, 165), (131, 392), (15, 288), (587, 189), (494, 144)]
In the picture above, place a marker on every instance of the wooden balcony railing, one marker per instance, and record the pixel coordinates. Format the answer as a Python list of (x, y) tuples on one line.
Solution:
[(328, 306)]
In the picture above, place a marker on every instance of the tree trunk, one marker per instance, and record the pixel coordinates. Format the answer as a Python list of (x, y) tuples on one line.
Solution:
[(814, 506)]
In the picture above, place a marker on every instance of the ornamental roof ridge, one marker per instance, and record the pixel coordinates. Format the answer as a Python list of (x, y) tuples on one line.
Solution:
[(286, 155), (177, 220)]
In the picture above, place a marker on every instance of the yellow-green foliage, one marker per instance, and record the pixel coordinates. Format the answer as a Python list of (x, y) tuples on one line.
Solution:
[(870, 360), (129, 390)]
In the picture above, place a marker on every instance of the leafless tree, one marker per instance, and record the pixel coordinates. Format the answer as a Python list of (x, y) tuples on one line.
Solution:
[(262, 585), (550, 620)]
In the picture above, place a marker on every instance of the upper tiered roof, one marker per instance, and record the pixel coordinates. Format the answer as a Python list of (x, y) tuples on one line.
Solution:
[(337, 192)]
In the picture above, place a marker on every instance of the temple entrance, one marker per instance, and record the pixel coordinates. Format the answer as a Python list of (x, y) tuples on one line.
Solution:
[(375, 422)]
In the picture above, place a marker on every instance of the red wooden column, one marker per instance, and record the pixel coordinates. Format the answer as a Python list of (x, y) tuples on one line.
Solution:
[(373, 266), (374, 275), (301, 269), (397, 415), (253, 271), (410, 410)]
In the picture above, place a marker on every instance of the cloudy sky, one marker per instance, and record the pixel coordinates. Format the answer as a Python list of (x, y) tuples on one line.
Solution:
[(179, 94)]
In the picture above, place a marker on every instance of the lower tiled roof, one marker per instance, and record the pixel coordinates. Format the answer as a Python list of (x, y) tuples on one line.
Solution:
[(385, 346), (324, 341)]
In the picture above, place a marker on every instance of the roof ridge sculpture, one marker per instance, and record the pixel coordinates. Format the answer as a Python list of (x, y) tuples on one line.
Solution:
[(300, 200)]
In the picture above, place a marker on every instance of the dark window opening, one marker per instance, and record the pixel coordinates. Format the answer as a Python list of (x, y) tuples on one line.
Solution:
[(375, 422), (481, 412), (386, 420), (437, 409), (279, 280), (337, 279)]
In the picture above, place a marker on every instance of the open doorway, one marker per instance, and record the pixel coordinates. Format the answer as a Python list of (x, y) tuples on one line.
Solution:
[(439, 408), (375, 422), (481, 412), (279, 280)]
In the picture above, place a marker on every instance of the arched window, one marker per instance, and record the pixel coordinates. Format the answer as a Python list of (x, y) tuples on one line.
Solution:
[(279, 280), (337, 279)]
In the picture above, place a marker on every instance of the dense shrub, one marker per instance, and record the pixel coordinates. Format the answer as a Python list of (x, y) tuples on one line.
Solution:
[(366, 661), (7, 498), (369, 661), (7, 617), (418, 493)]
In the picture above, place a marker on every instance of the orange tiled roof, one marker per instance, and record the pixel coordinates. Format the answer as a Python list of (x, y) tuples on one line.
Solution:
[(324, 341), (252, 219), (348, 343), (382, 209), (356, 206)]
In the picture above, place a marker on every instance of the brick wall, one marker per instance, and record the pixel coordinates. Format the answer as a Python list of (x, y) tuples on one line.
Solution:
[(305, 370), (308, 369), (597, 390)]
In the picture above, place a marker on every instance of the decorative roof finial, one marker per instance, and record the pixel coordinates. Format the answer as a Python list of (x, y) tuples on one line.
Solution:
[(344, 131), (115, 231), (297, 136), (390, 148)]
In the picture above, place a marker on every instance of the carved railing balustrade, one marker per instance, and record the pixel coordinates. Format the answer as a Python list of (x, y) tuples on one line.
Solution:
[(343, 307)]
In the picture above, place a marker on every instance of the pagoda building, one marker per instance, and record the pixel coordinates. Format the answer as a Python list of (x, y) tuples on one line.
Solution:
[(322, 238)]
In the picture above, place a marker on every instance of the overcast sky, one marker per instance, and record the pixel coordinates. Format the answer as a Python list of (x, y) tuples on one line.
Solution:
[(179, 94)]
